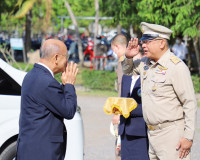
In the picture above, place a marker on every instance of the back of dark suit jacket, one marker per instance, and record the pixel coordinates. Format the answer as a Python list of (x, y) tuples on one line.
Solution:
[(44, 104)]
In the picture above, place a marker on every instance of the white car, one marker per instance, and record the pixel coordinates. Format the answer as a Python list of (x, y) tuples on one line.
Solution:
[(10, 95)]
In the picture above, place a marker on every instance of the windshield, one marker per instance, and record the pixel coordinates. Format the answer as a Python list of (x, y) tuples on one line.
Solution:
[(8, 86)]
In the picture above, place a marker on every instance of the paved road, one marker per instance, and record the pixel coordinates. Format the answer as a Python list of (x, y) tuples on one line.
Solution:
[(99, 143), (196, 144)]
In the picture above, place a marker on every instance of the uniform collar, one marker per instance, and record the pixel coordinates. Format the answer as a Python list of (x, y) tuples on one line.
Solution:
[(162, 60)]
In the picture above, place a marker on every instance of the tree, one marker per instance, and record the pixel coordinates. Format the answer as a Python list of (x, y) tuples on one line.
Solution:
[(8, 24), (28, 33), (182, 16), (44, 16), (24, 8), (124, 12), (6, 6), (21, 9), (96, 24), (187, 22), (78, 8), (111, 8), (80, 50)]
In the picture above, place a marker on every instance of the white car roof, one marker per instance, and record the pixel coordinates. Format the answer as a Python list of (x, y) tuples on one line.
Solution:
[(14, 73)]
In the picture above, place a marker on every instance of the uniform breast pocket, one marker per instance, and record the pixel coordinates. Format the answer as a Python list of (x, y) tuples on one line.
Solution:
[(159, 86)]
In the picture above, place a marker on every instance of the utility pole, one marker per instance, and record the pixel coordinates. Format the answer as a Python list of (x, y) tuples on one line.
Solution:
[(96, 24)]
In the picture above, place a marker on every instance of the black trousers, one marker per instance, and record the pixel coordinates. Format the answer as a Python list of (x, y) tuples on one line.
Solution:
[(134, 147)]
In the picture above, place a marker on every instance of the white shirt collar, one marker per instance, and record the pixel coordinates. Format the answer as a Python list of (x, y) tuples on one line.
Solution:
[(134, 79), (46, 68)]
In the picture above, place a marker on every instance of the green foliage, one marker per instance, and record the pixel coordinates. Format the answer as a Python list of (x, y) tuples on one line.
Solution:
[(6, 23), (129, 13), (196, 83), (123, 11), (23, 66), (187, 20), (101, 93), (79, 8), (83, 8), (111, 8), (6, 6), (58, 77), (22, 7), (59, 9), (38, 18), (156, 11), (182, 16), (10, 24), (102, 80)]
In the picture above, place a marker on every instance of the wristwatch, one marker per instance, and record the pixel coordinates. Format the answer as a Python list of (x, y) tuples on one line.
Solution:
[(191, 140)]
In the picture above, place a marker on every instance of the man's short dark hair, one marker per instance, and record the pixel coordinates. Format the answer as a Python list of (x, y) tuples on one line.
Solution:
[(120, 39)]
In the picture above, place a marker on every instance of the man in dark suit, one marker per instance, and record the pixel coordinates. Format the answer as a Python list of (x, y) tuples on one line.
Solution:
[(45, 103)]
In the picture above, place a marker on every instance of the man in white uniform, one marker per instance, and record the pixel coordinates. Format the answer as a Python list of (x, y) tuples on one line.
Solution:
[(180, 50)]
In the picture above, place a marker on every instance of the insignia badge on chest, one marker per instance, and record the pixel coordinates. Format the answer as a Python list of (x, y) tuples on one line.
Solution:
[(146, 68), (161, 70), (139, 92)]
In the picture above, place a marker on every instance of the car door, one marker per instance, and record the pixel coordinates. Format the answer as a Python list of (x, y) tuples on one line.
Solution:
[(10, 94)]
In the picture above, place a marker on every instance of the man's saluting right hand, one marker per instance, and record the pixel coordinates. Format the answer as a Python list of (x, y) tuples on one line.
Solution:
[(133, 48)]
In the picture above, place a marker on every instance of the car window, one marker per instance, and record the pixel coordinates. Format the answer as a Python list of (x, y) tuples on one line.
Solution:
[(7, 85)]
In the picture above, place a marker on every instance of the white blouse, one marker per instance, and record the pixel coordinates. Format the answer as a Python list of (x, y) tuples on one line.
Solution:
[(134, 79)]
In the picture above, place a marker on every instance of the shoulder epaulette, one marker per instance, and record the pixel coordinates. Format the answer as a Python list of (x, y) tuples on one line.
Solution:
[(175, 59)]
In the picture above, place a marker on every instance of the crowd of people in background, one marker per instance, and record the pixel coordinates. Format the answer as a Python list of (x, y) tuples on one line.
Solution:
[(104, 58)]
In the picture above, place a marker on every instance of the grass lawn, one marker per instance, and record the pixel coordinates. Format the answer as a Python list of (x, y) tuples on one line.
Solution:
[(101, 80), (79, 80), (89, 92), (99, 93)]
